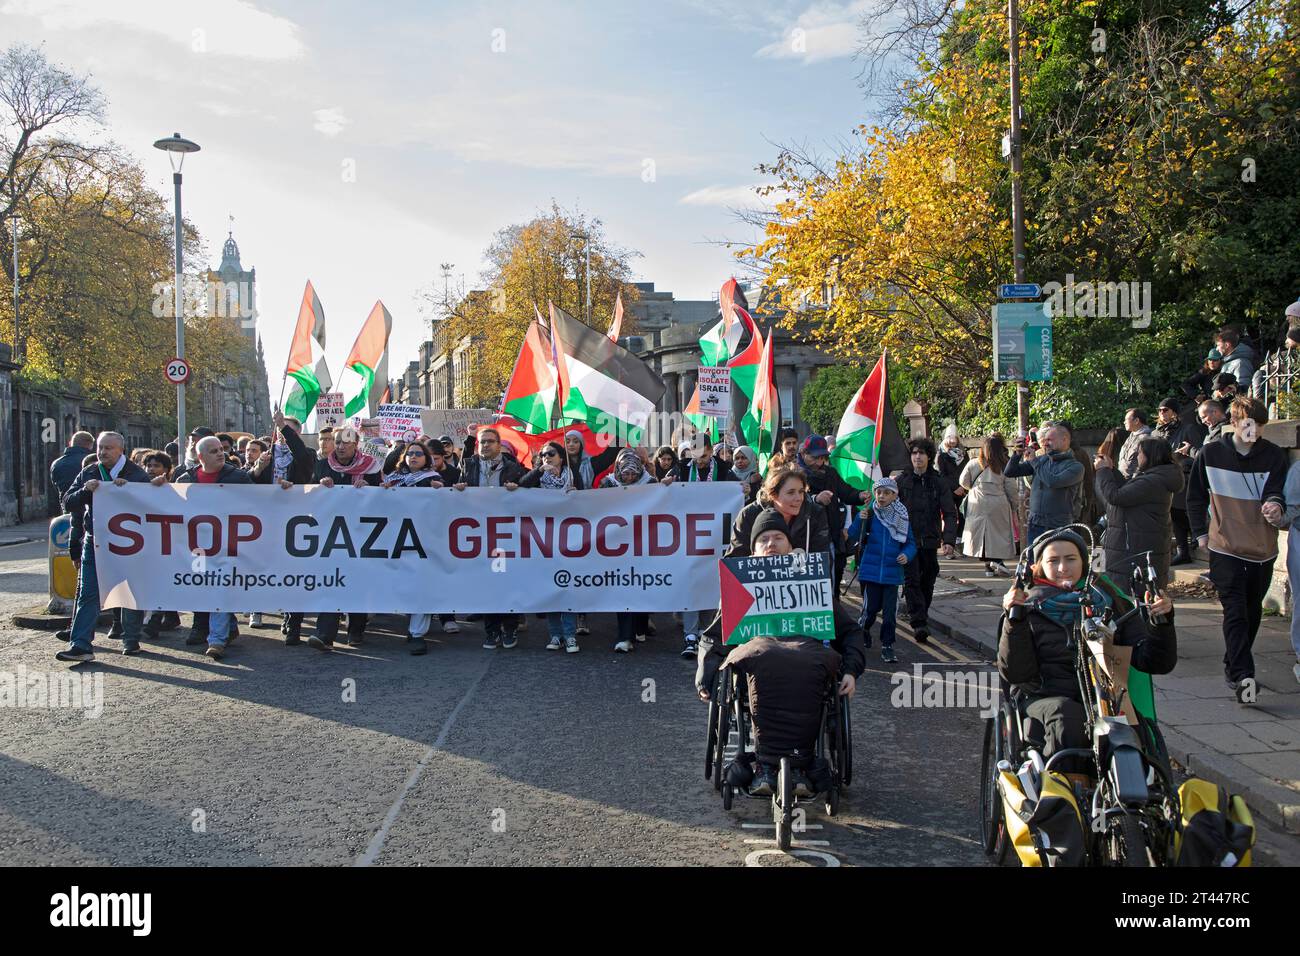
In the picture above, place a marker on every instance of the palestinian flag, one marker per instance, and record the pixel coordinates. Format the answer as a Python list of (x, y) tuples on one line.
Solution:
[(603, 384), (306, 365), (616, 326), (530, 396), (705, 423), (744, 367), (759, 423), (720, 343), (868, 444), (365, 374)]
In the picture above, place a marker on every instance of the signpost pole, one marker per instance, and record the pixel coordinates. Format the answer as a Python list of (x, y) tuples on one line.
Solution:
[(1017, 196)]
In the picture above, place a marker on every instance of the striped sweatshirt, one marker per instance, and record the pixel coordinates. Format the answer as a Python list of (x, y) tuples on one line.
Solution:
[(1225, 494)]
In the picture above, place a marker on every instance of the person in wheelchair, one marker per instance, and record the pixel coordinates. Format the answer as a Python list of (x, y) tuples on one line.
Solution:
[(787, 677), (1034, 653)]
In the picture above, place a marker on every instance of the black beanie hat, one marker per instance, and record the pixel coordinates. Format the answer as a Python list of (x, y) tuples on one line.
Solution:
[(1051, 537), (769, 519)]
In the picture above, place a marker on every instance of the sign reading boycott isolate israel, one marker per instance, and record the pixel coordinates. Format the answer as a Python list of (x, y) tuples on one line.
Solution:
[(780, 596), (410, 550)]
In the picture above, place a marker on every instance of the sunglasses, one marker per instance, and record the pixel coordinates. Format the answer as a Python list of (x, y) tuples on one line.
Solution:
[(415, 454), (550, 454)]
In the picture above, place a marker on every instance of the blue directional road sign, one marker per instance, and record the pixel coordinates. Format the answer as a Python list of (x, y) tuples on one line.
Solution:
[(1022, 342), (1021, 290)]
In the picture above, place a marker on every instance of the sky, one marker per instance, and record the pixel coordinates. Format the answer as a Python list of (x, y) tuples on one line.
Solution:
[(361, 145)]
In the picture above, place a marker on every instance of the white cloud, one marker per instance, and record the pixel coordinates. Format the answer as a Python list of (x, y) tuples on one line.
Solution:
[(223, 27), (825, 31), (731, 196), (329, 121)]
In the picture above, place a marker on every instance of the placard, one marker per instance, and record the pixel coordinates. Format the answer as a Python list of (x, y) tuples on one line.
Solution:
[(786, 595), (400, 422), (715, 391)]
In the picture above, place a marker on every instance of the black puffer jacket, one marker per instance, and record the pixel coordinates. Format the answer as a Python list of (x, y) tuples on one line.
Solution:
[(928, 499), (1035, 654), (807, 531), (1137, 517), (1176, 433)]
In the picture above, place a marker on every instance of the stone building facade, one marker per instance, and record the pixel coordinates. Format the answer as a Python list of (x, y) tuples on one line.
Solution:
[(238, 402)]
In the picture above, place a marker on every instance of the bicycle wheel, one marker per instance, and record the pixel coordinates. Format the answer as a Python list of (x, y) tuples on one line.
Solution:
[(1126, 842)]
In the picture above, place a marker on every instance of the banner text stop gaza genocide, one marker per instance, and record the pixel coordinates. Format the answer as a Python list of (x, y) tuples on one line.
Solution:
[(378, 536)]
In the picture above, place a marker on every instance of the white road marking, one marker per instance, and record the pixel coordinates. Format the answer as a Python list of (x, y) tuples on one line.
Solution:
[(772, 826), (753, 858), (794, 842), (377, 842)]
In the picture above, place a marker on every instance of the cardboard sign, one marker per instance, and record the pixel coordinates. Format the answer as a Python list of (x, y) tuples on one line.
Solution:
[(367, 427), (453, 421), (782, 596), (400, 422), (329, 410), (715, 391)]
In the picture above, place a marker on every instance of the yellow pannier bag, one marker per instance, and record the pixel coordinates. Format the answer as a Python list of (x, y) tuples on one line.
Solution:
[(1216, 827), (1049, 830)]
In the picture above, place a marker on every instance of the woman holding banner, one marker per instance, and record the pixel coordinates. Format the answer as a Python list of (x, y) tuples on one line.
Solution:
[(628, 472), (346, 465), (555, 474)]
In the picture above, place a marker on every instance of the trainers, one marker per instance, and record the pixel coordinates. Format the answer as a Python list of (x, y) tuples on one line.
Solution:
[(641, 638), (450, 627), (417, 645), (555, 644), (650, 626), (571, 645), (989, 572), (624, 647), (888, 656), (511, 639), (491, 642), (216, 651), (74, 656), (803, 787), (319, 644), (582, 625), (1246, 691), (692, 646), (764, 781), (1296, 670), (921, 634), (131, 650), (1001, 569)]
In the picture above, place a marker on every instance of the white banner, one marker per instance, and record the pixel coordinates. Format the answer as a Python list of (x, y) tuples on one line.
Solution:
[(411, 550), (400, 422)]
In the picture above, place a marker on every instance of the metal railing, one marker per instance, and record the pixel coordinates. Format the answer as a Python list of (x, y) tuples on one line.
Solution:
[(1276, 386)]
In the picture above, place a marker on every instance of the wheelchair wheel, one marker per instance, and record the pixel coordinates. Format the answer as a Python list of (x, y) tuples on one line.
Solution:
[(993, 825), (783, 805), (722, 733), (844, 739), (832, 801), (727, 793), (712, 741)]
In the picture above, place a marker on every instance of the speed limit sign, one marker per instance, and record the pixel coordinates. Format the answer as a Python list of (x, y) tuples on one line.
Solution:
[(177, 371)]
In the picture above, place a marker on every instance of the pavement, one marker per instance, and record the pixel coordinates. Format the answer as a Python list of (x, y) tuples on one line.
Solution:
[(1252, 750)]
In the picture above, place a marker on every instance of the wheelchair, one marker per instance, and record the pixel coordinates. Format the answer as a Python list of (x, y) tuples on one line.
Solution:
[(1129, 812), (729, 719)]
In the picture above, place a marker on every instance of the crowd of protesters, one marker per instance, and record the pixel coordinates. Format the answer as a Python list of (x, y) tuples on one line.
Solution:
[(1196, 476)]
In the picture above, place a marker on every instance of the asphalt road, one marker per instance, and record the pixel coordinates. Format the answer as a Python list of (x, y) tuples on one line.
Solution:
[(279, 755)]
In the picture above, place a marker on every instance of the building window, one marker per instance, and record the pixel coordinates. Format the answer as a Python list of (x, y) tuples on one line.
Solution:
[(786, 395)]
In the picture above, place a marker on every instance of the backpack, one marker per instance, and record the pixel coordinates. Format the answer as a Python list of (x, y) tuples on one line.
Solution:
[(1217, 828)]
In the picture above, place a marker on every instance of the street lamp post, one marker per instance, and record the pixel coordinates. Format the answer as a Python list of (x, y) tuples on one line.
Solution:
[(17, 347), (176, 147), (586, 245)]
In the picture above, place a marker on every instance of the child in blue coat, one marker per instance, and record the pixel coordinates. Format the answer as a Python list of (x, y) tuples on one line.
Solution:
[(885, 544)]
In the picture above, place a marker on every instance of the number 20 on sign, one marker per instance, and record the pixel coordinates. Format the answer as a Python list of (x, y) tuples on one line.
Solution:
[(177, 371)]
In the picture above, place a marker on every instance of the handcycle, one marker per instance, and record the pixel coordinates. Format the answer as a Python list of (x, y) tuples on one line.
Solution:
[(729, 712), (1127, 797)]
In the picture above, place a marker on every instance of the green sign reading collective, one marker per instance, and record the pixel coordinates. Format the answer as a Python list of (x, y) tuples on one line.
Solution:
[(1022, 341)]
